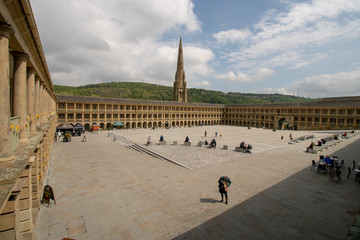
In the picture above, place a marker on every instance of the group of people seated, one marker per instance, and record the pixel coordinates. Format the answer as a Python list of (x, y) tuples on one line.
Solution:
[(321, 142), (212, 143), (246, 147), (327, 160)]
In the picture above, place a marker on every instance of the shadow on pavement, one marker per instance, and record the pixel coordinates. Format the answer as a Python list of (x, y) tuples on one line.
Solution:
[(304, 206)]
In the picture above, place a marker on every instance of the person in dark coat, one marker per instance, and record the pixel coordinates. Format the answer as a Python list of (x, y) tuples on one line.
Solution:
[(224, 184)]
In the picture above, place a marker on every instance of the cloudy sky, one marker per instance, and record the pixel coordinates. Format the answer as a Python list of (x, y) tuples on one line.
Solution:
[(308, 48)]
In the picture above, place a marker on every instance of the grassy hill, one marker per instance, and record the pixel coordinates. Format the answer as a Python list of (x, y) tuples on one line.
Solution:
[(135, 90)]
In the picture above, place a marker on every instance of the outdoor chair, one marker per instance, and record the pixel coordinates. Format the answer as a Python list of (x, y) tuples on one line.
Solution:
[(352, 173), (335, 172), (353, 168), (313, 165), (322, 168), (342, 164)]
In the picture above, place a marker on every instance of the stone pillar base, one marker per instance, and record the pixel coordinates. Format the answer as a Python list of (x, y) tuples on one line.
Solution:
[(7, 162), (33, 134), (24, 141)]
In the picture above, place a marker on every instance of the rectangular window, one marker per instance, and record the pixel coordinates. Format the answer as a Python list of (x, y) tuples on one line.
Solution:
[(70, 106)]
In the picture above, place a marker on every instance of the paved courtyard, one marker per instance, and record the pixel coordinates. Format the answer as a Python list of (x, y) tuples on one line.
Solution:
[(105, 190)]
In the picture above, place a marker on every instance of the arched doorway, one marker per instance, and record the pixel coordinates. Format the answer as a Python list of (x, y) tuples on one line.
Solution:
[(283, 123)]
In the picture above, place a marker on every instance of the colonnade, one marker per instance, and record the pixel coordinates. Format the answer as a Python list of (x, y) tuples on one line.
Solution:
[(27, 126), (23, 95)]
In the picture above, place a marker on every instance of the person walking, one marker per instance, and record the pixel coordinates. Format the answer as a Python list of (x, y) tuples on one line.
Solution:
[(224, 184)]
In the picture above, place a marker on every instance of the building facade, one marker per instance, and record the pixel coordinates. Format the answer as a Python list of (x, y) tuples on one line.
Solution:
[(27, 120), (327, 113), (135, 113)]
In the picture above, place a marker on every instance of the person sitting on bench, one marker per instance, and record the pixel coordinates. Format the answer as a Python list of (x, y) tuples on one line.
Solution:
[(242, 145), (148, 141), (310, 147), (187, 139), (206, 142), (161, 138), (213, 143), (319, 143)]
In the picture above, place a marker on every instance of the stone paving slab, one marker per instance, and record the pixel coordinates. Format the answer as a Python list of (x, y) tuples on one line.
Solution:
[(104, 190)]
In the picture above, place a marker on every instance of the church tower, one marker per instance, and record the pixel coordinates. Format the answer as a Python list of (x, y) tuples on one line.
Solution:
[(180, 90)]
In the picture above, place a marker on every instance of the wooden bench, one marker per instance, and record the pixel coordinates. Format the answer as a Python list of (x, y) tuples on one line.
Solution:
[(174, 143), (225, 147), (188, 144), (162, 142), (200, 144)]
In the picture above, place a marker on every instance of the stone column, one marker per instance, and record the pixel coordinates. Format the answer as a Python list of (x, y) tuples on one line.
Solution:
[(31, 100), (41, 104), (5, 144), (20, 93), (37, 103)]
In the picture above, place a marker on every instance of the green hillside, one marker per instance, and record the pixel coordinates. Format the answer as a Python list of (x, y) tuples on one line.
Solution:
[(135, 90)]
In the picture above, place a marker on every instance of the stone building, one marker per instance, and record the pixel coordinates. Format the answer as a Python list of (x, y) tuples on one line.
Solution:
[(324, 114), (30, 112), (27, 120), (180, 89)]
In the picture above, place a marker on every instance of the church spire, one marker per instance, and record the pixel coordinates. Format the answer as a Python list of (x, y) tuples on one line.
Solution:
[(180, 90), (180, 63)]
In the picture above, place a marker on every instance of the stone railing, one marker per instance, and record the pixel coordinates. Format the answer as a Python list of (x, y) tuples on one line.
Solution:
[(14, 133)]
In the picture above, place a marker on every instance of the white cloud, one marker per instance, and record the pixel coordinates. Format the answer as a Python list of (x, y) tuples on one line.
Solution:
[(299, 30), (328, 85), (244, 78), (232, 35), (87, 41), (203, 83)]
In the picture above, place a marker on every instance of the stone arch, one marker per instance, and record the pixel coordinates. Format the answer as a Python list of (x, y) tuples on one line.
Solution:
[(283, 123), (133, 125), (87, 126)]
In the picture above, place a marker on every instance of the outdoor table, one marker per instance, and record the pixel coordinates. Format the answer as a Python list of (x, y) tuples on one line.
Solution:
[(322, 166)]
